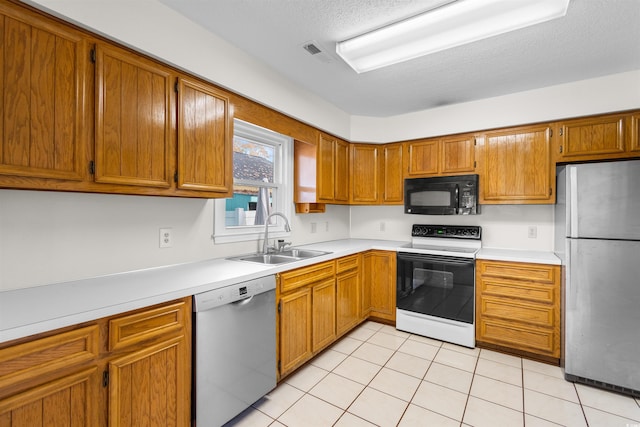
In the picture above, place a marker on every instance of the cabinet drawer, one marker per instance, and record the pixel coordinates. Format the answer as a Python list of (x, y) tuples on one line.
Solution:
[(347, 263), (146, 325), (294, 279), (516, 311), (524, 290), (520, 271), (537, 340), (49, 355)]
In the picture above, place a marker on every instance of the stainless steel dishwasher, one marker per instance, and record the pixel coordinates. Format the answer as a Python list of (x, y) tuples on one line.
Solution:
[(234, 349)]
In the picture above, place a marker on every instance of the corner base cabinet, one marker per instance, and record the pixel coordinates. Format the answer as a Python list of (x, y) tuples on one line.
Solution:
[(127, 370), (518, 308)]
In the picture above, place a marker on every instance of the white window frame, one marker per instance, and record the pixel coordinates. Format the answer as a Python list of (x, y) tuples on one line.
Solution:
[(283, 181)]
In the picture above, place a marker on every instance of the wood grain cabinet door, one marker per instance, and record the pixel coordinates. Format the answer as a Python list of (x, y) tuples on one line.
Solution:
[(43, 68), (149, 387), (323, 314), (634, 146), (517, 167), (458, 155), (69, 401), (393, 190), (133, 119), (205, 154), (295, 329), (592, 138), (380, 277), (326, 168), (422, 157), (365, 173), (341, 184), (347, 300)]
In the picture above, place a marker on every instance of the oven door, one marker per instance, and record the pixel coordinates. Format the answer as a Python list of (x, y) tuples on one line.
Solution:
[(439, 286)]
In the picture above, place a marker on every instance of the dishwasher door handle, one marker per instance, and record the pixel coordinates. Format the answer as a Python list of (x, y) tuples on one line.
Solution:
[(243, 301)]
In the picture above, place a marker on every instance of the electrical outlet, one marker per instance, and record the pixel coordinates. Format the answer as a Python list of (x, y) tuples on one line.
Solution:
[(314, 227), (383, 226), (532, 232), (166, 238), (326, 226)]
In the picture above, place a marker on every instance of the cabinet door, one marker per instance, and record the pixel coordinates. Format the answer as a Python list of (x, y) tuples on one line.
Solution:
[(380, 276), (295, 329), (393, 191), (323, 314), (458, 155), (43, 70), (205, 152), (634, 146), (133, 119), (326, 168), (422, 157), (341, 180), (68, 401), (347, 300), (365, 174), (517, 167), (592, 138), (150, 387)]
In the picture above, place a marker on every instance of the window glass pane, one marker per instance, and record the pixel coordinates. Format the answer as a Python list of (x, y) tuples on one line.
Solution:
[(252, 160), (249, 205)]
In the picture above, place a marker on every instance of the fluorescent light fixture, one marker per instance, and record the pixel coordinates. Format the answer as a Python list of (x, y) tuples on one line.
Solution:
[(455, 24)]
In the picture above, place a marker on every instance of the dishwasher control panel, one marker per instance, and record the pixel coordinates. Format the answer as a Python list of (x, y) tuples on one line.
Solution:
[(233, 293)]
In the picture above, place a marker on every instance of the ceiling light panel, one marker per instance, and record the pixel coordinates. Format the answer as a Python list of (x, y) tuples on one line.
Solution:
[(455, 24)]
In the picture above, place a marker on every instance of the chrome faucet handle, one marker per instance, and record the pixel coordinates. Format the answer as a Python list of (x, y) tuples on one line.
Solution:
[(282, 244)]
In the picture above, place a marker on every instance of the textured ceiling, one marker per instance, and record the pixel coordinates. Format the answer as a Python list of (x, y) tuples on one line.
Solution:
[(595, 38)]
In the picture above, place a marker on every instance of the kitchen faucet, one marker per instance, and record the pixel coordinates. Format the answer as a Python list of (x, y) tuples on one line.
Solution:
[(265, 246)]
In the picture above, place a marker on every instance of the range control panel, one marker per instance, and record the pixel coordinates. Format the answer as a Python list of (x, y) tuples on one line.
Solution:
[(448, 231)]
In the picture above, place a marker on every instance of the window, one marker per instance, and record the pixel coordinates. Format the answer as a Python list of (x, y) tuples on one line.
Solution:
[(262, 173)]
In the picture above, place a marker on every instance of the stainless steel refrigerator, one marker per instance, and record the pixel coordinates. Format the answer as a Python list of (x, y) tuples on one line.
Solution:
[(597, 236)]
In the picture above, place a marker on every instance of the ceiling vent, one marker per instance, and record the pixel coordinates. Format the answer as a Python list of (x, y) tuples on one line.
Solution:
[(314, 49)]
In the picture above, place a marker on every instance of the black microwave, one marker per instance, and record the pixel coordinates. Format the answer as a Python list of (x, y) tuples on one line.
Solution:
[(443, 195)]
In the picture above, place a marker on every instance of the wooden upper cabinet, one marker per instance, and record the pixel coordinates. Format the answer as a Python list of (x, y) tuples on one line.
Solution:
[(422, 157), (440, 156), (517, 166), (326, 168), (43, 68), (393, 188), (457, 155), (365, 173), (205, 152), (333, 170), (341, 185), (591, 138), (133, 119), (634, 145)]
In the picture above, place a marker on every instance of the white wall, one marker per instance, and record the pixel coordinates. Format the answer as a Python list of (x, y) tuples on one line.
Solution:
[(49, 237), (502, 226), (616, 92)]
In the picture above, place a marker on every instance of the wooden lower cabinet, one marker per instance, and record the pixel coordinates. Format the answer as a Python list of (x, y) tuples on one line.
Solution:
[(518, 308), (316, 305), (380, 277), (347, 293), (85, 376)]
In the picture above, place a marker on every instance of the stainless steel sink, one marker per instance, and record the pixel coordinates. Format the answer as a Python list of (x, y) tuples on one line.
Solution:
[(302, 253), (289, 255), (265, 259)]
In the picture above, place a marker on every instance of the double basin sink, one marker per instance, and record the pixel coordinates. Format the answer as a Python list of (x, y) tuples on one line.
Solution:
[(281, 257)]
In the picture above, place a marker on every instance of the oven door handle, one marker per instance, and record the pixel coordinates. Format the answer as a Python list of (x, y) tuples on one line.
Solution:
[(406, 256)]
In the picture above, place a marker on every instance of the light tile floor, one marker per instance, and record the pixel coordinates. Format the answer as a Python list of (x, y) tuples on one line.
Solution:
[(378, 376)]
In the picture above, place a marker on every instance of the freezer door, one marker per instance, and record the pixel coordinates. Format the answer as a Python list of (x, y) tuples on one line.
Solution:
[(602, 311), (603, 200)]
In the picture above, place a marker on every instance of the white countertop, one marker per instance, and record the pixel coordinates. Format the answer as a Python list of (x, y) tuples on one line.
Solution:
[(536, 257), (29, 311)]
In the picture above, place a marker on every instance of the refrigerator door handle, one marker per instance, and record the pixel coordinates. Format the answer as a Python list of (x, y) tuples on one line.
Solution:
[(572, 202)]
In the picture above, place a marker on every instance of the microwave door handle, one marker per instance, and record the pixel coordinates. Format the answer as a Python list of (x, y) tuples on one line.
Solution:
[(457, 202)]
